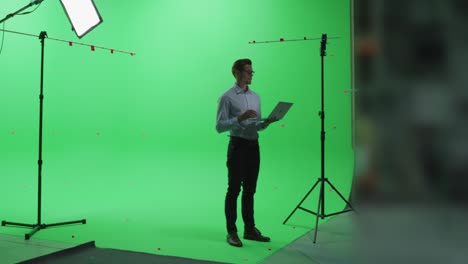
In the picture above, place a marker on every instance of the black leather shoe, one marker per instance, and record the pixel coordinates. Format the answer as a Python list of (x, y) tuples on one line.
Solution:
[(256, 235), (234, 240)]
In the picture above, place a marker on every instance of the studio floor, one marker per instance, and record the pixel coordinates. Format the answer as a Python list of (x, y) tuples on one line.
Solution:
[(417, 233), (332, 246)]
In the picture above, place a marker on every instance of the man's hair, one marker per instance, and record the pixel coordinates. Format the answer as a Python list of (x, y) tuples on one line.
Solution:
[(239, 65)]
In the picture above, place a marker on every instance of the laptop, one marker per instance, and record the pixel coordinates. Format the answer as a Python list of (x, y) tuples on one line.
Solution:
[(279, 111)]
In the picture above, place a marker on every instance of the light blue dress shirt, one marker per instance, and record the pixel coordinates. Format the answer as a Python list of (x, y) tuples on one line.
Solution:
[(233, 103)]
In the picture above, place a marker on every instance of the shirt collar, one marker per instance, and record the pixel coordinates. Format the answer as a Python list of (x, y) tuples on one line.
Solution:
[(240, 90)]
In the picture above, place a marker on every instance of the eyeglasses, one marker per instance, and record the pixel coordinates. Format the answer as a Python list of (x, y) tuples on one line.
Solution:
[(249, 72)]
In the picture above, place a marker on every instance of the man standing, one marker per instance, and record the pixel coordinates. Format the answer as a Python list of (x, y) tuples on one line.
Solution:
[(239, 112)]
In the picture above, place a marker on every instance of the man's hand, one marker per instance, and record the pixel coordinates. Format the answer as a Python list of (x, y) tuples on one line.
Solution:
[(267, 122), (246, 115)]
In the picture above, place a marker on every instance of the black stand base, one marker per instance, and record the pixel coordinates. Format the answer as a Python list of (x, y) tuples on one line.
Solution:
[(321, 204), (38, 227)]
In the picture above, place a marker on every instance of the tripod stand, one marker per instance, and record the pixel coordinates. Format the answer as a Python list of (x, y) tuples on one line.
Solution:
[(39, 225), (322, 180)]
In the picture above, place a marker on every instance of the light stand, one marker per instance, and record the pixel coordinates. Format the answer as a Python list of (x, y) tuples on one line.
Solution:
[(84, 16), (39, 225), (322, 180)]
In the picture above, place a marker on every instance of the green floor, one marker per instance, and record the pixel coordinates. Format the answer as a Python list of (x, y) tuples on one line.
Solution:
[(168, 205)]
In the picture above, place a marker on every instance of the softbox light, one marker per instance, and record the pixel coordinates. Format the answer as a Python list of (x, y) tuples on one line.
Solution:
[(82, 14)]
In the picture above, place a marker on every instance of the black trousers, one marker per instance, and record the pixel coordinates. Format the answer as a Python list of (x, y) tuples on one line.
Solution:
[(243, 163)]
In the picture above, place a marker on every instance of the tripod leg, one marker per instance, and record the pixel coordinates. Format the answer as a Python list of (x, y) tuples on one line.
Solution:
[(303, 199), (318, 210), (83, 221), (342, 197), (30, 234), (5, 223)]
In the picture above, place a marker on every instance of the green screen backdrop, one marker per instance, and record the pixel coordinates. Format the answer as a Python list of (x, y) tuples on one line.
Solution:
[(130, 143)]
